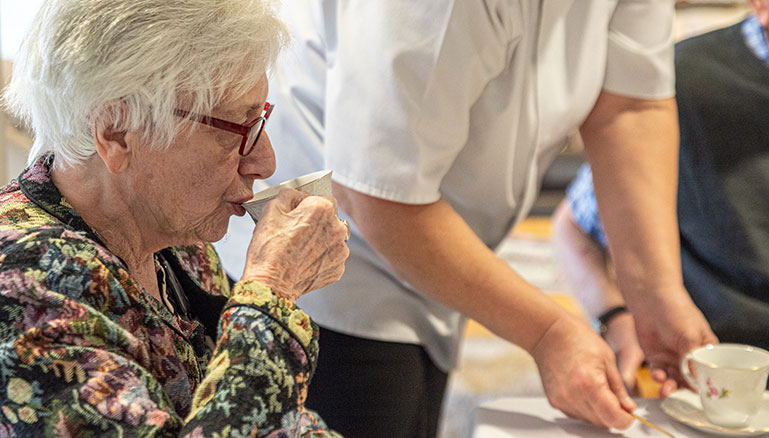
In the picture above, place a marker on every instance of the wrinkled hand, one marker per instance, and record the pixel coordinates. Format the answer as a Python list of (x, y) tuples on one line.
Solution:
[(666, 333), (622, 339), (298, 245), (579, 374)]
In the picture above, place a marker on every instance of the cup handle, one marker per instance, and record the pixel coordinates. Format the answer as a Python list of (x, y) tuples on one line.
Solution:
[(685, 370)]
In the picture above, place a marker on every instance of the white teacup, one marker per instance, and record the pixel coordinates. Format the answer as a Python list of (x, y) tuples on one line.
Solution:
[(316, 183), (731, 379)]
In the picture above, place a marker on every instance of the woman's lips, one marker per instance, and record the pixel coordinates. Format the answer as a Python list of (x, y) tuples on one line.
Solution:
[(239, 210), (237, 204)]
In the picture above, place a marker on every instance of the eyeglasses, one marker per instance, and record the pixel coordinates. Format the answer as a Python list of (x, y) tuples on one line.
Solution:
[(250, 131)]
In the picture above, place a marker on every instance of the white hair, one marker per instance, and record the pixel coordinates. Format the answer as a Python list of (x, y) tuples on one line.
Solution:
[(136, 60)]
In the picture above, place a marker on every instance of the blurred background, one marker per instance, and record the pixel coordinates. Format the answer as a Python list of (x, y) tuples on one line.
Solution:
[(15, 15), (490, 367)]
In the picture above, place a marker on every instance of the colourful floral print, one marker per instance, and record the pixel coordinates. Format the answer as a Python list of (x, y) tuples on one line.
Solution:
[(85, 351)]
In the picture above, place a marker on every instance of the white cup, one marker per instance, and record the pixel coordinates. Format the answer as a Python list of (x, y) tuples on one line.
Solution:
[(316, 184), (731, 379)]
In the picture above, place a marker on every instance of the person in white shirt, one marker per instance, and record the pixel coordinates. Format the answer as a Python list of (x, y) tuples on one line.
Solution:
[(438, 120), (722, 93)]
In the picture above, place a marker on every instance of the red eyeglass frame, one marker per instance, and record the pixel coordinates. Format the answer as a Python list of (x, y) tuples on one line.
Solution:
[(235, 128)]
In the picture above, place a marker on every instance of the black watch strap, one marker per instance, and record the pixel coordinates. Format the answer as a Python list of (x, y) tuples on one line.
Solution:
[(608, 315)]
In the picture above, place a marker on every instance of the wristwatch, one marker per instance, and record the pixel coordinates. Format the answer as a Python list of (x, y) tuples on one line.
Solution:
[(607, 316)]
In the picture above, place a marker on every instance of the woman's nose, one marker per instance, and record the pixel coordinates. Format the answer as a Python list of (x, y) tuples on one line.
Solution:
[(260, 162)]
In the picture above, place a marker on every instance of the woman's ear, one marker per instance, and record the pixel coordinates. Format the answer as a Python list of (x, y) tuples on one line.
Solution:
[(109, 132)]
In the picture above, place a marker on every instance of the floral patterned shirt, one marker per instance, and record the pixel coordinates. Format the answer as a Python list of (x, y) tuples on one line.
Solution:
[(86, 351)]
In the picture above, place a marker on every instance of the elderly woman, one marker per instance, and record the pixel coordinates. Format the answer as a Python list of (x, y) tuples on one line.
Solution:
[(117, 318)]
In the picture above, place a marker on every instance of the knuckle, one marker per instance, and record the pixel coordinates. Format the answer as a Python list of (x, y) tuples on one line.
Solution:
[(320, 202), (320, 209), (583, 383), (332, 200), (289, 195), (339, 274), (285, 193), (559, 399), (339, 256)]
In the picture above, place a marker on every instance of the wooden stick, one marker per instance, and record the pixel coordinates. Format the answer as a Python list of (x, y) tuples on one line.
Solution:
[(652, 425)]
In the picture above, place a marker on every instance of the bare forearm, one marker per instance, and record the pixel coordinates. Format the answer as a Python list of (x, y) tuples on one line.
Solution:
[(633, 149), (433, 249)]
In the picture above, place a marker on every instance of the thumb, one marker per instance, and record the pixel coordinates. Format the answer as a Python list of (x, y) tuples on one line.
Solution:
[(618, 388)]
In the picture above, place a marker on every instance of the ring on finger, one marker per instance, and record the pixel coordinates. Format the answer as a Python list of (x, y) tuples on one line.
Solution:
[(349, 230)]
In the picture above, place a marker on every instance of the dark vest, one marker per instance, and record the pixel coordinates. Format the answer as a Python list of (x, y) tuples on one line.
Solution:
[(723, 196)]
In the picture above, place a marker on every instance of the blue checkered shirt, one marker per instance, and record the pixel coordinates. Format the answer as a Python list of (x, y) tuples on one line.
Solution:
[(755, 38), (584, 208)]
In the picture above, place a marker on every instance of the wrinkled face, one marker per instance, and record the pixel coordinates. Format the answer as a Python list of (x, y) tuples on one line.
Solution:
[(201, 180)]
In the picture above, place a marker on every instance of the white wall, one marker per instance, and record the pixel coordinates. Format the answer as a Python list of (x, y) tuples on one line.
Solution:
[(15, 16)]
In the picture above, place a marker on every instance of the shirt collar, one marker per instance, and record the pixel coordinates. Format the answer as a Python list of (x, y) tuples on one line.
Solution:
[(36, 184), (755, 38)]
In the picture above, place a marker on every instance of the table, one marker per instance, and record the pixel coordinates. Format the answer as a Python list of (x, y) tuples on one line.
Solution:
[(533, 417)]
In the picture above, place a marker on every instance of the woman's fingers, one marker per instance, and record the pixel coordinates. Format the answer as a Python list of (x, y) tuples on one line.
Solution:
[(287, 200), (298, 244)]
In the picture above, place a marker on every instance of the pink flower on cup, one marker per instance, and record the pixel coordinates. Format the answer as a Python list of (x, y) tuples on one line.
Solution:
[(713, 391)]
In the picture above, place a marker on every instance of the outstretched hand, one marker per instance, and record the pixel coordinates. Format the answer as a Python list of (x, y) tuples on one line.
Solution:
[(298, 245)]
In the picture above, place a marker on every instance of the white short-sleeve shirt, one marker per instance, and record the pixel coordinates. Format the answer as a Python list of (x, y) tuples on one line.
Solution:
[(462, 100)]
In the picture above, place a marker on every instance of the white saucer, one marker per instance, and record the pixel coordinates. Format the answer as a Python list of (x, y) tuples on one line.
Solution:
[(685, 406)]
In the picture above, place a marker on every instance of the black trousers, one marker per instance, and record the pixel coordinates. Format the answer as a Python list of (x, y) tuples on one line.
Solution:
[(364, 388)]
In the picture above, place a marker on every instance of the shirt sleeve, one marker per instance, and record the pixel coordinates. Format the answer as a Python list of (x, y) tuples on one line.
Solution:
[(640, 49), (264, 342), (69, 366), (402, 78)]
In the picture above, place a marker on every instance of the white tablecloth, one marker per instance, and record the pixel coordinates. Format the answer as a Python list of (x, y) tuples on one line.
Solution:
[(534, 417)]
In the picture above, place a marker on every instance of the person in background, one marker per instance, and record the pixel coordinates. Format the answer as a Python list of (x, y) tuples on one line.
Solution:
[(117, 319), (722, 92), (438, 119)]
